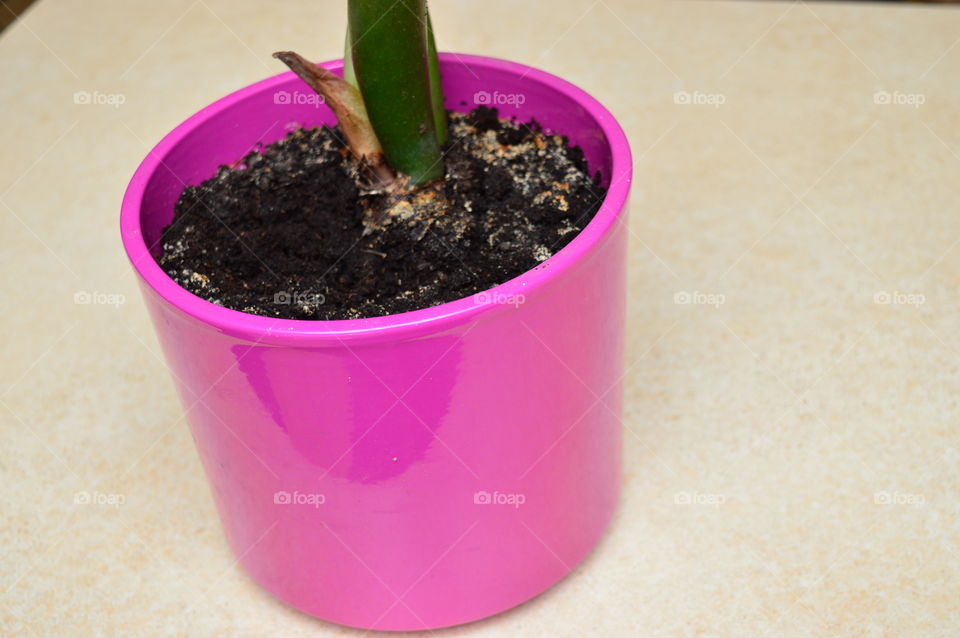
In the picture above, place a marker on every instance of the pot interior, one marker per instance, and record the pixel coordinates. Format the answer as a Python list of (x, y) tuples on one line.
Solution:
[(224, 132)]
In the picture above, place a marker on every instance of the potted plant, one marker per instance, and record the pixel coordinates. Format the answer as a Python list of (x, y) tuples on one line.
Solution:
[(399, 457)]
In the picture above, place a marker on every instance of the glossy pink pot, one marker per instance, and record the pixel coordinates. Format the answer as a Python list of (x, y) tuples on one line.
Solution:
[(417, 470)]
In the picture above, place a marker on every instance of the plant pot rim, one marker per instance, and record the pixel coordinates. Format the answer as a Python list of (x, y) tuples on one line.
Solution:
[(275, 331)]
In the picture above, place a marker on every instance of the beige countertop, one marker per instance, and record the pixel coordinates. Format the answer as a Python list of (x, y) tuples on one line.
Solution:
[(792, 452)]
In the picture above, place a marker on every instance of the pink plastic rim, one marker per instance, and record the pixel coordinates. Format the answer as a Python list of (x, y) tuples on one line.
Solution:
[(270, 330)]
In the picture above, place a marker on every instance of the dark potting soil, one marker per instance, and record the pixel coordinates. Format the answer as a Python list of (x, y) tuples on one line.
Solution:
[(286, 233)]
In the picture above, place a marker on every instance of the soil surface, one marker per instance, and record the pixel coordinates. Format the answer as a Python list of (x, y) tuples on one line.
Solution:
[(286, 233)]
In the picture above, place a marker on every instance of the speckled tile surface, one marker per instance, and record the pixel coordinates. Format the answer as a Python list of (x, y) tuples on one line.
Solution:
[(792, 452)]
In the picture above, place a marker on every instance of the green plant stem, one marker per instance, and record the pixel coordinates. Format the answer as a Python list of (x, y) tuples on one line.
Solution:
[(390, 59)]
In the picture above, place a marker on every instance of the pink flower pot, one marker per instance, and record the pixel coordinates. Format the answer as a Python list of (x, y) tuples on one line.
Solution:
[(416, 470)]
